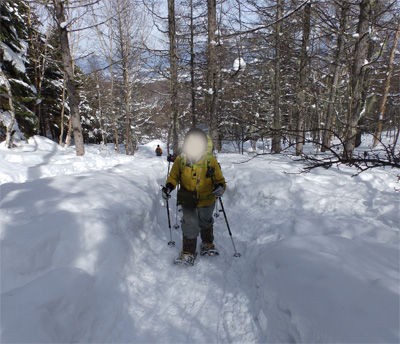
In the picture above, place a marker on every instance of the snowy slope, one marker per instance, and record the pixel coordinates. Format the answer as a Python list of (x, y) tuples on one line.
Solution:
[(84, 255)]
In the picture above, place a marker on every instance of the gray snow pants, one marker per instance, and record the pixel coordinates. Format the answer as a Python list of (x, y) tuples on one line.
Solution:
[(196, 220)]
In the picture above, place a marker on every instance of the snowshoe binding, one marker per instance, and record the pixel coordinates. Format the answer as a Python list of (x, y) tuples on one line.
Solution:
[(208, 249), (185, 259)]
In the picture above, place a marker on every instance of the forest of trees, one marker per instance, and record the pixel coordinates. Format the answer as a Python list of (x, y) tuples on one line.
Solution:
[(123, 71)]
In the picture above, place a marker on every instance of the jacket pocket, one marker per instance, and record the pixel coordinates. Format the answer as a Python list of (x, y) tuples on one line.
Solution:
[(187, 199)]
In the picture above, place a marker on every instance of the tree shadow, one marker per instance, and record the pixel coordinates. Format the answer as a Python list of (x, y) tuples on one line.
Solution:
[(38, 242), (267, 284)]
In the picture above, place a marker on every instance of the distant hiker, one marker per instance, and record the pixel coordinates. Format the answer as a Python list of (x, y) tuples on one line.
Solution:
[(171, 157), (158, 150), (201, 181)]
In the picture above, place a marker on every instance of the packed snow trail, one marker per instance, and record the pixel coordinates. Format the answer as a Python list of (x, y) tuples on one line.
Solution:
[(84, 255)]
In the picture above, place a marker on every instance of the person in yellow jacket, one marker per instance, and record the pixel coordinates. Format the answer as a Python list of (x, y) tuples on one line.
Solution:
[(200, 181)]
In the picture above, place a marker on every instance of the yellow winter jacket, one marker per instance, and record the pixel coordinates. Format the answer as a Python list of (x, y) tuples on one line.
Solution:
[(194, 177)]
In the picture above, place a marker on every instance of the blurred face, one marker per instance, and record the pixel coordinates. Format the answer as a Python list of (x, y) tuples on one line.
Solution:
[(194, 147)]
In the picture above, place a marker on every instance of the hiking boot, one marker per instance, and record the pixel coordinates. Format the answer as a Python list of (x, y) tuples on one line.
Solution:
[(208, 248), (189, 245), (185, 258), (207, 235)]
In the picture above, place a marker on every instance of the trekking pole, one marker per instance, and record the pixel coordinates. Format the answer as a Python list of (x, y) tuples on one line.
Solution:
[(176, 226), (237, 254), (169, 164), (216, 213), (170, 242)]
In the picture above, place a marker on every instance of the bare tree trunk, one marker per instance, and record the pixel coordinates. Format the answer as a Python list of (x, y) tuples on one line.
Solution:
[(116, 136), (211, 93), (68, 65), (107, 43), (69, 133), (101, 118), (38, 61), (192, 57), (173, 60), (389, 73), (62, 114), (396, 139), (169, 139), (124, 41), (111, 96), (302, 79), (358, 77), (129, 146), (276, 125), (329, 120)]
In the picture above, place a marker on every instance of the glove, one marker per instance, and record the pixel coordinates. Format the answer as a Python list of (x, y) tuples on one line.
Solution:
[(219, 190), (166, 191)]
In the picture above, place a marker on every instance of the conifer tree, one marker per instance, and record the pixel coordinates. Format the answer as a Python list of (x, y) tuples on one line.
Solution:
[(16, 90)]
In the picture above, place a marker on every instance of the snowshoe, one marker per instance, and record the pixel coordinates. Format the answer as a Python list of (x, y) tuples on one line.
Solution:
[(208, 249), (185, 259)]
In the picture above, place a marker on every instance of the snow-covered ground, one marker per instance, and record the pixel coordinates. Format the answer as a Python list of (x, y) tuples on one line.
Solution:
[(84, 254)]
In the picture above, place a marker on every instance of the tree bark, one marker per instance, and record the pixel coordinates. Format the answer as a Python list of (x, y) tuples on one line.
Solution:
[(68, 66), (173, 60), (69, 133), (336, 66), (38, 53), (276, 124), (357, 77), (62, 114), (389, 73), (211, 93), (192, 65), (124, 42), (101, 118), (129, 144), (304, 60), (111, 92), (107, 43)]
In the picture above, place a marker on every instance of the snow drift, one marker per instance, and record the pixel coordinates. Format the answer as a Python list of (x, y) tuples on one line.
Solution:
[(84, 255)]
